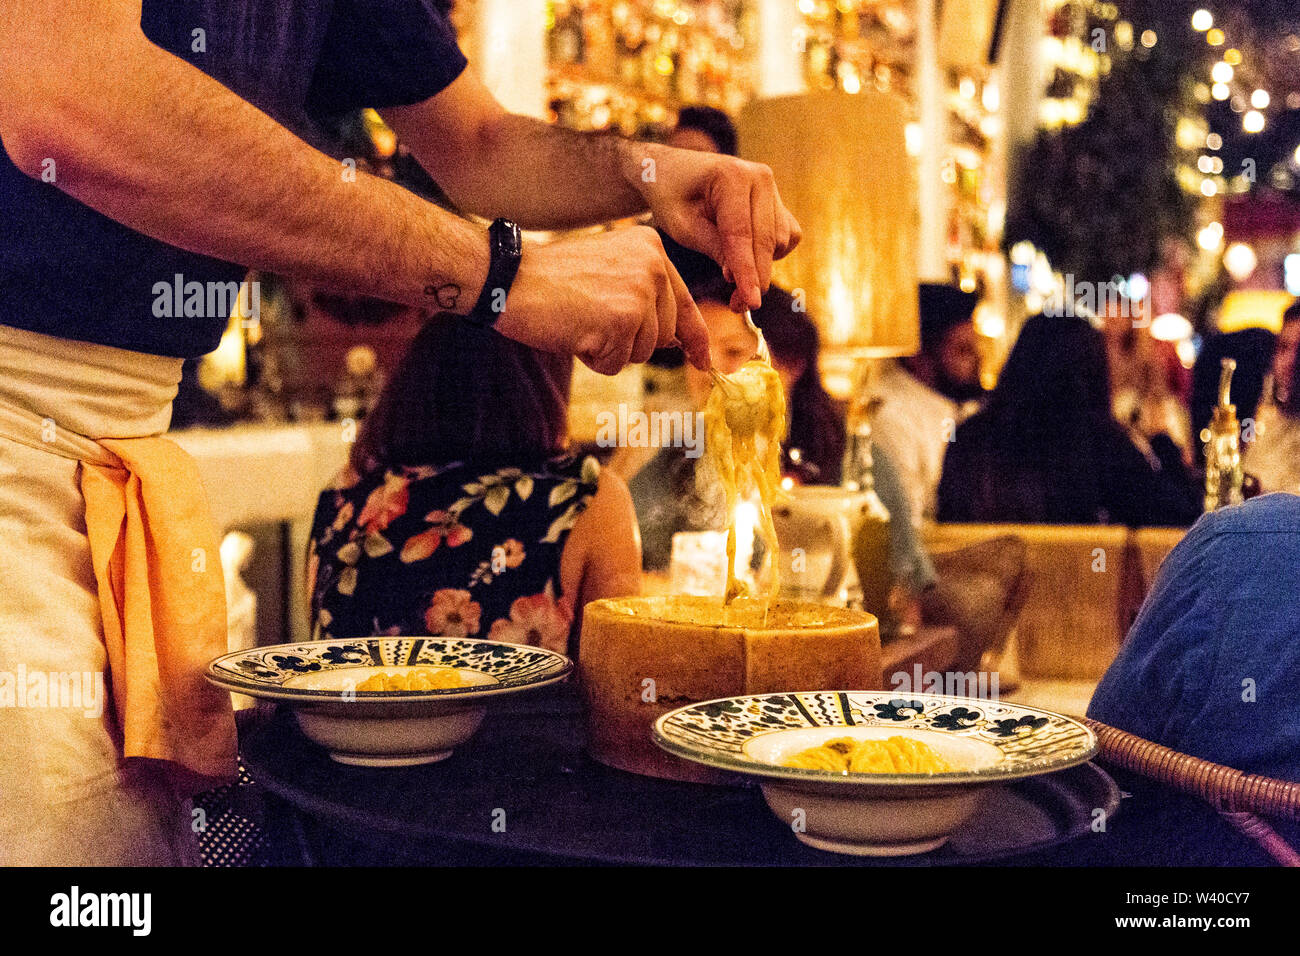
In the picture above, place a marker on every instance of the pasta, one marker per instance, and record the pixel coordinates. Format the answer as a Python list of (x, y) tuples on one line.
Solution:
[(744, 423), (421, 678), (894, 755)]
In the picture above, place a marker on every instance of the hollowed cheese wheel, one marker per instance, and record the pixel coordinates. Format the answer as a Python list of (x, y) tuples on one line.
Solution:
[(642, 657)]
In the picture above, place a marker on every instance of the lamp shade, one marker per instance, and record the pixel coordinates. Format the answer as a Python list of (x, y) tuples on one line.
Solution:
[(842, 167)]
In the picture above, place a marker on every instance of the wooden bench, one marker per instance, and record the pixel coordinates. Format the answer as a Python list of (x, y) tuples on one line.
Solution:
[(1086, 585)]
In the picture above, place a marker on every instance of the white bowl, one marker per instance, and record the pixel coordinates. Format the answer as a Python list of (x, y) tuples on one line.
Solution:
[(318, 680), (874, 814)]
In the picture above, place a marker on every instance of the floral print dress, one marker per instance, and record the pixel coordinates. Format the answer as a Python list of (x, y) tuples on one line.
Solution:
[(455, 550)]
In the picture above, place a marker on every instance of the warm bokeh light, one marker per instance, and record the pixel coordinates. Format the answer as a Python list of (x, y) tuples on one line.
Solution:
[(1211, 237), (1148, 38), (1253, 309), (1171, 327), (1260, 99), (1222, 72), (1209, 187), (1202, 20), (1221, 91), (991, 96), (1214, 141), (1215, 37), (1253, 121), (1232, 56), (1240, 261)]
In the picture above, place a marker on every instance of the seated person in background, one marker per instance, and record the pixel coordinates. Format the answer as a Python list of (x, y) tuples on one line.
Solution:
[(459, 513), (924, 397), (1253, 350), (814, 445), (1273, 454), (1209, 669), (706, 129), (1046, 449)]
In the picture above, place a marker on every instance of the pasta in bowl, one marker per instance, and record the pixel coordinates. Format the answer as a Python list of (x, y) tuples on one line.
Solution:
[(874, 773), (388, 701)]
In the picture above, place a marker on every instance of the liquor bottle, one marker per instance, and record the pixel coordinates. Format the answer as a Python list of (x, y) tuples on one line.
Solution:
[(1223, 473)]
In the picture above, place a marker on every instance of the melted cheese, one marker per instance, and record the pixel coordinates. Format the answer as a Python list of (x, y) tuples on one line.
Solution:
[(744, 423)]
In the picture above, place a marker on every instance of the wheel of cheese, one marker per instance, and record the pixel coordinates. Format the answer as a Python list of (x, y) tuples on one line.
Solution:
[(641, 657)]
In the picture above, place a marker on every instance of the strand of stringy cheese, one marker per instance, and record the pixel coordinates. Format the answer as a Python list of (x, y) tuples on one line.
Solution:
[(735, 422)]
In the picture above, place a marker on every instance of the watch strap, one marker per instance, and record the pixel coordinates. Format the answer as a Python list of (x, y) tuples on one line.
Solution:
[(505, 243)]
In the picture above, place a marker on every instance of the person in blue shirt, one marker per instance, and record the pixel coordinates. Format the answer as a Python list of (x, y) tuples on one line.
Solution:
[(1209, 669)]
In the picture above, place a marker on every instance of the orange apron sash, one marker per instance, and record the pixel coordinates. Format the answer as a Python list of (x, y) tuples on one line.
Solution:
[(162, 596)]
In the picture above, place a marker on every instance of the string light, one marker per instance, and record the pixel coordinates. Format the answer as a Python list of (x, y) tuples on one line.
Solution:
[(1211, 237), (1240, 261)]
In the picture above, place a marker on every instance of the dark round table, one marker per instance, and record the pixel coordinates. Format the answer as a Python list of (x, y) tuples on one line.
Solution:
[(524, 791)]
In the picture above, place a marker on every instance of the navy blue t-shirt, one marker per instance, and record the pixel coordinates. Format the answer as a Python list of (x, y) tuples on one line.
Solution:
[(69, 271)]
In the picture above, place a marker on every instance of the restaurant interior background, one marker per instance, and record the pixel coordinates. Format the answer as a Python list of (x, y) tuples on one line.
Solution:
[(1161, 142)]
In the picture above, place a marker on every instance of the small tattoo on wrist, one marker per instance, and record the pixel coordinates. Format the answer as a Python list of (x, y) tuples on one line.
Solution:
[(446, 295)]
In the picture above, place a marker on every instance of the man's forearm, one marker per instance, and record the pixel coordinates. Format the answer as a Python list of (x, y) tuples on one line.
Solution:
[(161, 147), (557, 178), (539, 175)]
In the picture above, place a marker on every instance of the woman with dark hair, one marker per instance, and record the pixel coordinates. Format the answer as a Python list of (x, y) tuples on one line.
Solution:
[(1272, 452), (1253, 351), (814, 445), (459, 513), (1046, 449)]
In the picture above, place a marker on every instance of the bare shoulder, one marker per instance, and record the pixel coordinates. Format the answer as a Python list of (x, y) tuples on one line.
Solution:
[(603, 556), (610, 509)]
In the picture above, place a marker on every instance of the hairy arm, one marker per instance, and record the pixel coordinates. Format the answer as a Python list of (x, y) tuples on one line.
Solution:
[(159, 146), (495, 163)]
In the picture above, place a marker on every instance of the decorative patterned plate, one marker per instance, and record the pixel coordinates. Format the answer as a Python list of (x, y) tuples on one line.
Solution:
[(990, 740), (329, 671)]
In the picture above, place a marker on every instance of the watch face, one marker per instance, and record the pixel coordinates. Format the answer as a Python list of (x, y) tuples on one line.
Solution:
[(510, 237)]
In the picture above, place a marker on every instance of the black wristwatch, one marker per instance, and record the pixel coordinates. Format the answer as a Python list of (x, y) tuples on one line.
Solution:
[(507, 246)]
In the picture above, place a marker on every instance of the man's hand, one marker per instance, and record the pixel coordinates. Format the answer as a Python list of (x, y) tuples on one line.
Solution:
[(725, 207), (610, 298)]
